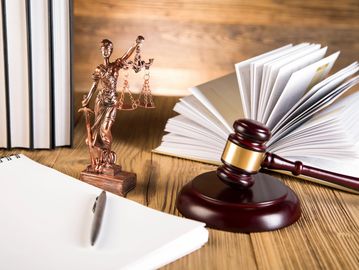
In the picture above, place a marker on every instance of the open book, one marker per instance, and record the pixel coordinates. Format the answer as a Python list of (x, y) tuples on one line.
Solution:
[(287, 89), (46, 222)]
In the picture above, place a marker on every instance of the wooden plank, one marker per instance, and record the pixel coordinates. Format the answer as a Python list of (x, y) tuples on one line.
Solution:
[(326, 236), (187, 54), (314, 13)]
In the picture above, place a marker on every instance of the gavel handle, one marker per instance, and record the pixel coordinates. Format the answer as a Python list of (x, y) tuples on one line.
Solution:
[(274, 162)]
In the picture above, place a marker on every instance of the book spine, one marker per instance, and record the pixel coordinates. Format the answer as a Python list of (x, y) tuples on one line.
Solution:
[(17, 72), (71, 26), (6, 75), (29, 63), (51, 78)]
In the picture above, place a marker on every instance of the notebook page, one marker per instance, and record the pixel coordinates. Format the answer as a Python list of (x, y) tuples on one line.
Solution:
[(49, 218)]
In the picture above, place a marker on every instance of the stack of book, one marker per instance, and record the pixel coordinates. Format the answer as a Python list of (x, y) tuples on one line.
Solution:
[(35, 73), (287, 89)]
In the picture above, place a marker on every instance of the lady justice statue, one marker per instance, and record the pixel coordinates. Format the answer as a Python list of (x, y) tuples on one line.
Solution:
[(103, 172)]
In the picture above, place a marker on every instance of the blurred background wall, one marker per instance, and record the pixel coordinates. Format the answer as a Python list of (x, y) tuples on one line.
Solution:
[(196, 41)]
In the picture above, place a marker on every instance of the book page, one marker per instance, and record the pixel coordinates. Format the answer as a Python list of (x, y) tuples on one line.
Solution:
[(186, 127), (323, 102), (282, 79), (181, 139), (221, 97), (330, 81), (271, 70), (256, 71), (243, 76), (193, 109), (325, 90), (329, 140), (299, 82), (324, 126)]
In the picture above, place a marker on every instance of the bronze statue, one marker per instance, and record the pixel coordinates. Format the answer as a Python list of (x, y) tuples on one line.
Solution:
[(108, 101)]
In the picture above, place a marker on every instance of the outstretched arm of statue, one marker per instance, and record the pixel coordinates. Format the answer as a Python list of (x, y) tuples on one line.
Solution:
[(120, 61)]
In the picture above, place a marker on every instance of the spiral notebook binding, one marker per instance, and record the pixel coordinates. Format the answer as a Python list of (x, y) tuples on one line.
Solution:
[(9, 158)]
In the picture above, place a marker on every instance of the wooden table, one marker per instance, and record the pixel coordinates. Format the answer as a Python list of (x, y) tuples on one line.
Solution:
[(325, 237)]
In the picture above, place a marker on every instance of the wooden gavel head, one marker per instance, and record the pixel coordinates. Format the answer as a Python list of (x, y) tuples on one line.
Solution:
[(243, 153)]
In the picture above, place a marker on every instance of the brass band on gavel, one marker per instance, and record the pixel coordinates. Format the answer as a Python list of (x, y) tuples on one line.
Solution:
[(242, 158)]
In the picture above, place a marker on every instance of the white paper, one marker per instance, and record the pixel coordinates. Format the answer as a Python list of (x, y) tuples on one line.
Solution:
[(48, 221)]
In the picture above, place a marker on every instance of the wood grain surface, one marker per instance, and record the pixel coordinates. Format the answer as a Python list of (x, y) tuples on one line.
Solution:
[(194, 41), (325, 237)]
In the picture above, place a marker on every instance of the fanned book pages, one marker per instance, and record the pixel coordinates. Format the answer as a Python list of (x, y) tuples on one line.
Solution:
[(287, 89), (47, 217)]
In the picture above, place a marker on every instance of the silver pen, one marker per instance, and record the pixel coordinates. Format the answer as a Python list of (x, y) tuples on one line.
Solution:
[(98, 209)]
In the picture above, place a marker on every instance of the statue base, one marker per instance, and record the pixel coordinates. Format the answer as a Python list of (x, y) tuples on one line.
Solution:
[(113, 180), (267, 205)]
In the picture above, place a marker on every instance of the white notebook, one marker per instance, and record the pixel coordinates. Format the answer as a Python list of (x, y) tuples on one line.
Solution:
[(46, 219)]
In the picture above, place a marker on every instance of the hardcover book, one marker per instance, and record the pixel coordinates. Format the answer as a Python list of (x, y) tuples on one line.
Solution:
[(36, 74), (288, 90)]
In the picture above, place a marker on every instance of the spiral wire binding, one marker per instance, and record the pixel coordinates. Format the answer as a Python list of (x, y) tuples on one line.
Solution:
[(9, 158)]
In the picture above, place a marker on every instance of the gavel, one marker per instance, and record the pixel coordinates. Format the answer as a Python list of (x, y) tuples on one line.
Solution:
[(245, 154), (240, 197)]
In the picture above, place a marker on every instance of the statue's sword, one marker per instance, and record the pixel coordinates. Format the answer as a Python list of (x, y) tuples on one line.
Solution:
[(87, 112)]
